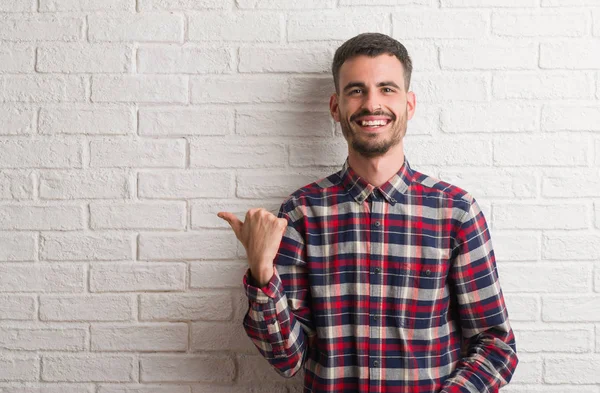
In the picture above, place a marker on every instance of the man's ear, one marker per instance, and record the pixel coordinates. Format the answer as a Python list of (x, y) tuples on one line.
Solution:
[(334, 107), (411, 104)]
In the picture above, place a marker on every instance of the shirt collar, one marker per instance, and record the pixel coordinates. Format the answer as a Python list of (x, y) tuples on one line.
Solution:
[(391, 190)]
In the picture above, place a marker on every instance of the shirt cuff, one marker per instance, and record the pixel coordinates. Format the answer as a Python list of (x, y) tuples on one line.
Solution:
[(272, 291)]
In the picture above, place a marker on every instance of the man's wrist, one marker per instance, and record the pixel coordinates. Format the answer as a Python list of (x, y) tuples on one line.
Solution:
[(262, 276)]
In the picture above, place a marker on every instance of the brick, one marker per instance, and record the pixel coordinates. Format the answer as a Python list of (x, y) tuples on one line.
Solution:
[(140, 88), (90, 120), (285, 4), (568, 183), (257, 122), (88, 184), (439, 24), (247, 89), (78, 246), (86, 5), (184, 184), (241, 26), (325, 153), (542, 86), (311, 89), (143, 388), (485, 183), (539, 23), (529, 371), (483, 117), (244, 389), (441, 88), (45, 388), (515, 388), (76, 58), (426, 122), (186, 368), (240, 304), (334, 25), (198, 245), (297, 60), (16, 185), (16, 121), (205, 305), (17, 247), (238, 153), (540, 216), (564, 308), (38, 153), (41, 28), (43, 88), (572, 54), (142, 338), (89, 368), (271, 185), (18, 6), (570, 118), (185, 121), (568, 3), (489, 56), (385, 2), (17, 307), (175, 59), (144, 27), (19, 368), (223, 274), (42, 278), (181, 5), (204, 213), (110, 153), (255, 369), (16, 58), (549, 278), (43, 339), (424, 55), (516, 246), (540, 151), (596, 20), (597, 289), (19, 217), (522, 307), (571, 340), (570, 247), (220, 336), (169, 215), (86, 308), (450, 152), (121, 277), (490, 3), (572, 370)]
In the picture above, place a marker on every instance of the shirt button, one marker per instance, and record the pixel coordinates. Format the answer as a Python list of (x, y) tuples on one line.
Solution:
[(377, 224), (377, 270), (428, 272), (375, 318), (375, 363)]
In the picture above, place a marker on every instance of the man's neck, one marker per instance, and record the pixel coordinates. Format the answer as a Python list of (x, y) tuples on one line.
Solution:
[(376, 171)]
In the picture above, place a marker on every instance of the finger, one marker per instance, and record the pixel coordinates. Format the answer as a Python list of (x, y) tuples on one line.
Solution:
[(282, 223), (233, 221)]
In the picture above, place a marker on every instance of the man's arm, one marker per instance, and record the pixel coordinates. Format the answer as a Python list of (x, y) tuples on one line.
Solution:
[(278, 319), (491, 351)]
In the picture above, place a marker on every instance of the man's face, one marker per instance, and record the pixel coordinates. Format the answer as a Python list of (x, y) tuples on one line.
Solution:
[(372, 106)]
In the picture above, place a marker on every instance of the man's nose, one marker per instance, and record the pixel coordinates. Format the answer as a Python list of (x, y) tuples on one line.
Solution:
[(371, 103)]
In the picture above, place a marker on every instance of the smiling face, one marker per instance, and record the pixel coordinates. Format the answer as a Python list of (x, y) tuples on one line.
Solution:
[(372, 106)]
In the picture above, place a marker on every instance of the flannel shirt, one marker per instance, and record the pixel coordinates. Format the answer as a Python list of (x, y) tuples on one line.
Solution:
[(384, 289)]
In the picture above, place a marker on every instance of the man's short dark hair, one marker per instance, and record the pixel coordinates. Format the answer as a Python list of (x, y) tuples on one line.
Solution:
[(370, 44)]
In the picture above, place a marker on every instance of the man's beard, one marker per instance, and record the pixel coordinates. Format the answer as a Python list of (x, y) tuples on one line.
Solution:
[(366, 145)]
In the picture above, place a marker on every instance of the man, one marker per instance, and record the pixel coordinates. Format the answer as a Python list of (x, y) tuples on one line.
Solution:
[(377, 278)]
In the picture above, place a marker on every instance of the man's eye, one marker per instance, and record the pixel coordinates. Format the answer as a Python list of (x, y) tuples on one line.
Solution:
[(356, 91), (387, 90)]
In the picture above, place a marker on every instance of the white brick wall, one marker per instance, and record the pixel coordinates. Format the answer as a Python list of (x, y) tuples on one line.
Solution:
[(127, 124)]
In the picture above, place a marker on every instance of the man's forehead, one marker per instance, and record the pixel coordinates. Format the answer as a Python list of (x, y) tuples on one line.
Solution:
[(362, 67)]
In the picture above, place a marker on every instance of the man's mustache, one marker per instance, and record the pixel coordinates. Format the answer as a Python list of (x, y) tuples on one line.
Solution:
[(366, 112)]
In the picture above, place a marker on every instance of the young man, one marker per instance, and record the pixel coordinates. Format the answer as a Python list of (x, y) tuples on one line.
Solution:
[(377, 278)]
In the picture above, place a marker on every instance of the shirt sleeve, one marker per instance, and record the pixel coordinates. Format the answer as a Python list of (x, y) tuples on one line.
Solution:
[(278, 320), (491, 355)]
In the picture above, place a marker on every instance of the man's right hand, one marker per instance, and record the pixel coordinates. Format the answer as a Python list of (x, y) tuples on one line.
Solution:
[(260, 234)]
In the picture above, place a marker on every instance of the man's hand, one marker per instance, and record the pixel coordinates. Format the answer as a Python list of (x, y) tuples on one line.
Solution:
[(260, 234)]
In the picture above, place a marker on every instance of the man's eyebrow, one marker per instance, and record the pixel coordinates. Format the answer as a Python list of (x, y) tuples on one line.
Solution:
[(388, 83), (354, 84)]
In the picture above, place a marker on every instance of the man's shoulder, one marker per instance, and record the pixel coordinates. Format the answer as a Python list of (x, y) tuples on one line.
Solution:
[(317, 188), (434, 187)]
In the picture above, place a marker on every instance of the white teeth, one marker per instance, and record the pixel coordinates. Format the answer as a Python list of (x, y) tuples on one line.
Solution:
[(374, 123)]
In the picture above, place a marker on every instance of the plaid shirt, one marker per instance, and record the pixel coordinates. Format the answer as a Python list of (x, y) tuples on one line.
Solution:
[(384, 289)]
